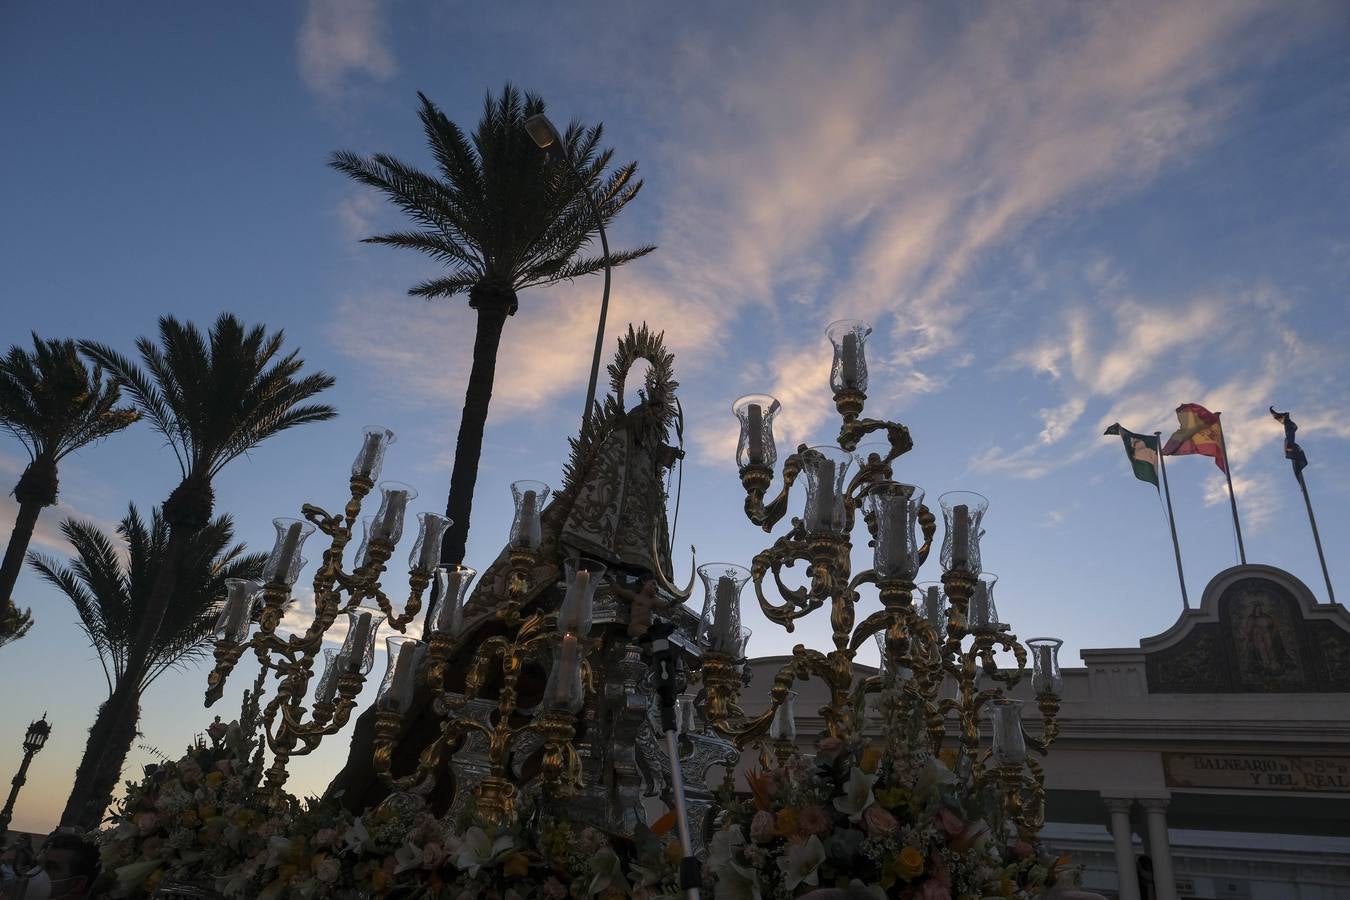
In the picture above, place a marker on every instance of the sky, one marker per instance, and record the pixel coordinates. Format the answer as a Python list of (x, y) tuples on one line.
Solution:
[(1055, 216)]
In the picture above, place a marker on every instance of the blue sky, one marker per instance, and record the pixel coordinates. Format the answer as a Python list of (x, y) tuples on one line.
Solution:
[(1056, 216)]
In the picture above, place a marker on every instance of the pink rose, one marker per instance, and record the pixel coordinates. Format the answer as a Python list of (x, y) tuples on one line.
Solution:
[(1023, 850), (813, 820), (325, 837), (762, 827), (433, 854), (974, 833), (830, 745), (555, 889), (328, 871), (932, 889), (949, 823), (877, 822), (146, 822), (223, 766)]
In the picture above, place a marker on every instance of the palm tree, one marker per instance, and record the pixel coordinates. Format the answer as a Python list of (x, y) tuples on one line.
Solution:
[(54, 404), (213, 398), (501, 216), (112, 599)]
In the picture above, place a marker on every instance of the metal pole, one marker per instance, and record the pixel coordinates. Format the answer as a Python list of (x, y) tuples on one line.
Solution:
[(1317, 538), (7, 813), (691, 872), (1232, 496), (1171, 521)]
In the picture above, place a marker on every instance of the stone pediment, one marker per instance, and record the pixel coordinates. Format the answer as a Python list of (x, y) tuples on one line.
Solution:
[(1258, 630)]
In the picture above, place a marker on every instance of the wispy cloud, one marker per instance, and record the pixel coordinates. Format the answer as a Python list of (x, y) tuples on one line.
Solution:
[(341, 42)]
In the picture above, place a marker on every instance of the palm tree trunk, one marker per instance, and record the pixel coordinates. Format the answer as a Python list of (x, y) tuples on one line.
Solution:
[(187, 511), (37, 488), (100, 769), (494, 304)]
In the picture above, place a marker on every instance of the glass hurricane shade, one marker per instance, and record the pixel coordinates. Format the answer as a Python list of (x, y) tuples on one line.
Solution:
[(849, 368), (981, 613), (933, 605), (284, 563), (783, 726), (883, 647), (826, 469), (327, 686), (526, 528), (375, 440), (426, 552), (235, 614), (358, 649), (1046, 678), (719, 626), (583, 577), (400, 674), (564, 690), (872, 453), (36, 737), (452, 586), (1009, 744), (962, 512), (895, 511), (755, 447), (388, 520)]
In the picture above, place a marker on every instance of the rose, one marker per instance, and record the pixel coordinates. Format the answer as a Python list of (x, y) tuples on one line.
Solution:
[(325, 837), (933, 889), (762, 827), (433, 854), (224, 766), (949, 823), (146, 822), (829, 745), (517, 865), (871, 758), (909, 864), (813, 820), (328, 870), (554, 889), (786, 822), (973, 834), (1023, 850), (877, 822)]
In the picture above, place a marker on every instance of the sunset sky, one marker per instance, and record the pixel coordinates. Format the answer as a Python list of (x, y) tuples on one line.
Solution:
[(1055, 216)]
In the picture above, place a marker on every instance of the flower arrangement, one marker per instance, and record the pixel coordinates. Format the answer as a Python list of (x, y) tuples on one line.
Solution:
[(203, 821), (868, 822)]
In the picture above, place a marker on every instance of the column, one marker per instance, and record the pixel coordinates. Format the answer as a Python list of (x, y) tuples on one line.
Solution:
[(1155, 812), (1126, 872)]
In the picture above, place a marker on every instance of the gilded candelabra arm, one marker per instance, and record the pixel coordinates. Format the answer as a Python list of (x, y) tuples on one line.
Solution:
[(321, 519), (227, 657), (722, 680), (986, 643), (797, 602), (756, 480), (388, 726), (854, 430)]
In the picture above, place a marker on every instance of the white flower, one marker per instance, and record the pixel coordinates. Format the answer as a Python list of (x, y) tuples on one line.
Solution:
[(356, 837), (932, 777), (802, 861), (857, 794), (737, 883), (479, 850), (723, 848), (608, 872), (409, 856)]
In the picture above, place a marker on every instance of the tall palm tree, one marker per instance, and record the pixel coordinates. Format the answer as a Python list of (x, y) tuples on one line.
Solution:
[(214, 397), (54, 404), (501, 216), (112, 598)]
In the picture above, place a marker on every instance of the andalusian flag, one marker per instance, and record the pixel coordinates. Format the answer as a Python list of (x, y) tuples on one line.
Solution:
[(1142, 449), (1200, 432), (1292, 451)]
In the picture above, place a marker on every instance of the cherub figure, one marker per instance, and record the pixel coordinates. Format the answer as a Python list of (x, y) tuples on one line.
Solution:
[(642, 605)]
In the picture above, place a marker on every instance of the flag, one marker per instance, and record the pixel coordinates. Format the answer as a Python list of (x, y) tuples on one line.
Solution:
[(1142, 449), (1200, 432), (1292, 451)]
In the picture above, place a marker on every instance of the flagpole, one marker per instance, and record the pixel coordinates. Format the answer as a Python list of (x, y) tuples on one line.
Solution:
[(1172, 523), (1232, 496), (1317, 538)]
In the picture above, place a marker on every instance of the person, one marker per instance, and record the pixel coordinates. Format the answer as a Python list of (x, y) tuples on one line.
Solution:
[(71, 864), (642, 604)]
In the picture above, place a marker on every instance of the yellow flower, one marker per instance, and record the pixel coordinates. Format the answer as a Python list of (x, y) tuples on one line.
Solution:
[(871, 758), (214, 779), (674, 853), (787, 822), (188, 819), (893, 798), (947, 756), (1006, 887), (287, 872), (517, 865), (909, 864)]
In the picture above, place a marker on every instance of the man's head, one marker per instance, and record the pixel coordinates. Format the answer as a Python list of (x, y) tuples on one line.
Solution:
[(71, 863)]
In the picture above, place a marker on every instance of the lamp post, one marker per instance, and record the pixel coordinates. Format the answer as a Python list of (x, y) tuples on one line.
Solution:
[(33, 741), (546, 136)]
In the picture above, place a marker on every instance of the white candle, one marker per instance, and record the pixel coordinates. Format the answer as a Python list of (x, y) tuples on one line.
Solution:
[(565, 678), (1041, 671), (979, 606), (897, 520), (448, 609), (431, 546), (961, 538), (530, 534), (393, 515), (370, 455), (824, 517), (570, 617), (401, 685), (935, 606), (356, 648), (328, 683), (233, 621), (724, 605), (849, 360), (755, 428), (286, 555)]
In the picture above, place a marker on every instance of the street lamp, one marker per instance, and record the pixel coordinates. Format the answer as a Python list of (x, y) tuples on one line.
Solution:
[(33, 741), (546, 136)]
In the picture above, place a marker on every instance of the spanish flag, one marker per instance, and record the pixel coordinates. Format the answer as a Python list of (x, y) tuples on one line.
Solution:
[(1200, 432)]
